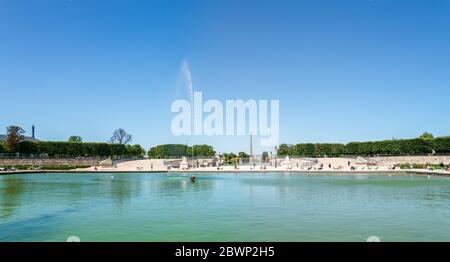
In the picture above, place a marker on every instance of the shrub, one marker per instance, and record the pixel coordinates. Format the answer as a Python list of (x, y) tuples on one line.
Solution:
[(57, 167), (312, 150), (284, 150), (2, 148), (64, 167), (412, 166), (387, 147), (135, 150), (167, 151), (200, 151), (179, 150), (79, 149), (441, 145)]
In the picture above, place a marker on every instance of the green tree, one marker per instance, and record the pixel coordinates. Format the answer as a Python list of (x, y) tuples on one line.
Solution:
[(15, 135), (229, 158), (441, 145), (135, 150), (179, 150), (2, 147), (75, 139), (243, 155), (200, 150), (71, 149), (284, 150), (426, 136), (168, 151), (265, 156)]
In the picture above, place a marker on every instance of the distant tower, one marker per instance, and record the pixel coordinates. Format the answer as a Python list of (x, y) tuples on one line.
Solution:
[(32, 132)]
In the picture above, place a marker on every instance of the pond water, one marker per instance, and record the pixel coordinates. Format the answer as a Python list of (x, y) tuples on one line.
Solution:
[(224, 207)]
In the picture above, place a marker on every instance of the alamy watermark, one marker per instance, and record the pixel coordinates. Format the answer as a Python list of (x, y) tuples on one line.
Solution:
[(373, 239), (237, 117), (73, 239)]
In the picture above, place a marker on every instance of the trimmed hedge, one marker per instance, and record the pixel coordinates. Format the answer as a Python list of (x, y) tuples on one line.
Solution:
[(311, 150), (179, 150), (390, 147), (417, 146), (167, 151), (135, 151), (422, 166), (200, 151), (441, 145), (79, 149)]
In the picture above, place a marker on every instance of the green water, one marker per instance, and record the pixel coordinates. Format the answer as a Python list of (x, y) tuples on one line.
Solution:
[(223, 207)]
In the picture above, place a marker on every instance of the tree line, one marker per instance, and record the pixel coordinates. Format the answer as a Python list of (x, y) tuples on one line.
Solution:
[(75, 149), (80, 149), (180, 150), (416, 146), (118, 146)]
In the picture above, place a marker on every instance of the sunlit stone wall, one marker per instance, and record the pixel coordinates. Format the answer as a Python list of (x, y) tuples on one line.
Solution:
[(50, 162)]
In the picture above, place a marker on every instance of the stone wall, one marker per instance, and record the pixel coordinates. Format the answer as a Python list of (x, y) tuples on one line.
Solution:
[(392, 160), (51, 162), (382, 160)]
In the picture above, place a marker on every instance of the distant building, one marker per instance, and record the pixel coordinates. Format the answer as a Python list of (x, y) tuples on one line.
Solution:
[(27, 138)]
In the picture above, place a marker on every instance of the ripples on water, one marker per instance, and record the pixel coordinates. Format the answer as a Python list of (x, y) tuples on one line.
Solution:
[(223, 207)]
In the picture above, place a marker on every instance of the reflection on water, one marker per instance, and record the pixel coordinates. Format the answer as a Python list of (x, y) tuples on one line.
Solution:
[(11, 190), (122, 189), (223, 207)]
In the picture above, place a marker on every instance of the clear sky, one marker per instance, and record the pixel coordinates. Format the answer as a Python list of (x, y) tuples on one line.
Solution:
[(343, 71)]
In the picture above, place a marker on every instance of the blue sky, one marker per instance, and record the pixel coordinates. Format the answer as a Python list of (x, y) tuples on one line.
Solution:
[(343, 71)]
